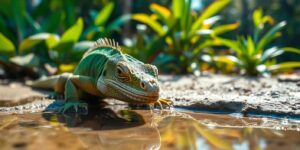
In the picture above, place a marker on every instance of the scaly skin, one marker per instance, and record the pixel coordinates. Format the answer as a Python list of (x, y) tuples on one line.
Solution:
[(104, 71)]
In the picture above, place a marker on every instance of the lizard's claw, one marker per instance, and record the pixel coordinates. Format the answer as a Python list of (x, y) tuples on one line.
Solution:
[(164, 102), (74, 107)]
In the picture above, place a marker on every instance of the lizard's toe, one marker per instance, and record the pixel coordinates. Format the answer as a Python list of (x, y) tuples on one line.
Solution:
[(74, 107)]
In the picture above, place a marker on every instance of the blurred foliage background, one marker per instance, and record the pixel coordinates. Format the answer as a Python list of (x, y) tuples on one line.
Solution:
[(252, 37)]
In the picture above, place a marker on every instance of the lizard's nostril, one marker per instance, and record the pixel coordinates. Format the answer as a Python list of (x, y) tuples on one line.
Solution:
[(152, 81), (143, 86)]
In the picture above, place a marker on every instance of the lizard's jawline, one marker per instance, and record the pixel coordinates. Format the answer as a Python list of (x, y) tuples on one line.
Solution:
[(134, 96)]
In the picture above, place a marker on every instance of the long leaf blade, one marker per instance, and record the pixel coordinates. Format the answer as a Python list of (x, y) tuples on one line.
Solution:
[(104, 14), (269, 36), (211, 10), (7, 47), (146, 19), (285, 65)]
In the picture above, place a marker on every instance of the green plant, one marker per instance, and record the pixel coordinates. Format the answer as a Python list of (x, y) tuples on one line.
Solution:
[(47, 48), (252, 53), (185, 33), (29, 37), (102, 26)]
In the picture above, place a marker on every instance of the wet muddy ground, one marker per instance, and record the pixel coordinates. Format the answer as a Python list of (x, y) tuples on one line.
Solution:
[(124, 128), (276, 96)]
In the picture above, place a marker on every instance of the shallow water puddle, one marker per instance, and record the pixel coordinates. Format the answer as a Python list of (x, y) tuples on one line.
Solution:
[(120, 128)]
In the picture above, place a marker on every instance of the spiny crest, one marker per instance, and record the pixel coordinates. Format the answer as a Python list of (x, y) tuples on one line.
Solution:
[(105, 42)]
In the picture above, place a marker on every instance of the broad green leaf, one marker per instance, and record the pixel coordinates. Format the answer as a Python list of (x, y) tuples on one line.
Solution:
[(269, 36), (52, 41), (225, 28), (146, 19), (73, 33), (6, 46), (33, 40), (70, 37), (29, 60), (211, 10), (291, 49), (285, 65), (104, 14)]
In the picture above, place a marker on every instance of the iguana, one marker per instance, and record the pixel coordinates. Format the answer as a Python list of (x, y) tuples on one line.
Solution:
[(106, 72)]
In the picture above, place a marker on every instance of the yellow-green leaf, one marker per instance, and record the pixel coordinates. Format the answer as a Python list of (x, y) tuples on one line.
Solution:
[(73, 33), (251, 46), (285, 65), (146, 19), (225, 28), (291, 49), (177, 6), (6, 46), (211, 10), (163, 10), (231, 60), (66, 67), (33, 40), (257, 16), (104, 14), (210, 136), (29, 60)]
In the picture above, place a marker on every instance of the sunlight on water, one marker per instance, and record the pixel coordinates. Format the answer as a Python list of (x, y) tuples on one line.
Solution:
[(123, 128)]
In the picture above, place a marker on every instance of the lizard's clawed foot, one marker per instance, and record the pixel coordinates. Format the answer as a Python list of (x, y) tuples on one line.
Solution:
[(164, 102), (74, 107)]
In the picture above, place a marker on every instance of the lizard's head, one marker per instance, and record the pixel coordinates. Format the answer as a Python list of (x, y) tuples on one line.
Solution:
[(127, 79)]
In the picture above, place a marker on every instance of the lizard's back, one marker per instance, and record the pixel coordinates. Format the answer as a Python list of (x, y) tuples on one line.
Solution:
[(94, 60)]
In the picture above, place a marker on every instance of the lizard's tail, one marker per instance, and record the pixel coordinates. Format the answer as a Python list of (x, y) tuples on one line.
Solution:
[(44, 83), (47, 82)]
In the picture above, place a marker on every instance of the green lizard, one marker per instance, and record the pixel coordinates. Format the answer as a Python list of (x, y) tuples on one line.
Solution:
[(105, 71)]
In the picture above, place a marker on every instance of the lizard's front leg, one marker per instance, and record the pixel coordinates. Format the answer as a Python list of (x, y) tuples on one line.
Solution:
[(73, 84), (71, 94)]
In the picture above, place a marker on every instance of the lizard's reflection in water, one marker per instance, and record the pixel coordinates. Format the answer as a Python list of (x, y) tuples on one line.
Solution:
[(99, 117), (109, 128)]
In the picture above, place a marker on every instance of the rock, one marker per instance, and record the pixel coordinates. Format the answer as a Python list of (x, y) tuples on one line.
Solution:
[(289, 78), (265, 96), (13, 94)]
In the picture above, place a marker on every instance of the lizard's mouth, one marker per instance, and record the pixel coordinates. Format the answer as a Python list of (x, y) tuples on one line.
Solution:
[(133, 94)]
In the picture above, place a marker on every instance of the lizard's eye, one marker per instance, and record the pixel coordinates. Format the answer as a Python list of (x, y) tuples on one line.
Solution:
[(119, 71), (122, 75)]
